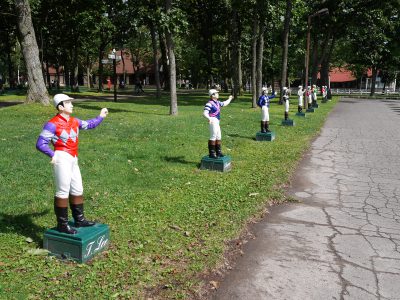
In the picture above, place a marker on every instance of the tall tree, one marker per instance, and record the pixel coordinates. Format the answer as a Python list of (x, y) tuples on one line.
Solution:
[(155, 59), (285, 46), (260, 54), (254, 62), (37, 91), (236, 51), (172, 64)]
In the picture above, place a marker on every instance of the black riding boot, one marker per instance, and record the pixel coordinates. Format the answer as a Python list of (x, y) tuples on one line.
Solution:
[(218, 148), (62, 220), (286, 115), (263, 130), (76, 204), (267, 126), (79, 217), (211, 149)]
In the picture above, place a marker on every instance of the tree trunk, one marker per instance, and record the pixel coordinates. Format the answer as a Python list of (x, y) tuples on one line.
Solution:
[(100, 73), (172, 66), (123, 67), (324, 57), (239, 56), (165, 63), (373, 81), (260, 56), (48, 75), (285, 46), (37, 91), (9, 61), (75, 68), (325, 64), (88, 72), (155, 59), (239, 68), (314, 66), (210, 58), (325, 73), (254, 64), (76, 79), (235, 53), (58, 77), (272, 57)]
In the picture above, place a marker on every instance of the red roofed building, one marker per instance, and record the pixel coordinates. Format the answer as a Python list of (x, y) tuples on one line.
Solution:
[(341, 75), (344, 78), (127, 70)]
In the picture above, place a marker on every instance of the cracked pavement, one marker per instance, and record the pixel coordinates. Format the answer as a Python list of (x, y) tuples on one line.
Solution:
[(342, 240)]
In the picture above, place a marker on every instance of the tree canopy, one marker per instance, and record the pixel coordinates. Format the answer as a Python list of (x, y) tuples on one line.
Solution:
[(222, 42)]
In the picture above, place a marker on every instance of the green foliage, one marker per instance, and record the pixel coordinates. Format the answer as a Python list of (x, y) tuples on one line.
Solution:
[(372, 33), (173, 21), (169, 221), (363, 34)]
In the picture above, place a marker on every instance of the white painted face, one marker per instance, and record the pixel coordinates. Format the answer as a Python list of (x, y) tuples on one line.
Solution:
[(215, 96), (68, 107)]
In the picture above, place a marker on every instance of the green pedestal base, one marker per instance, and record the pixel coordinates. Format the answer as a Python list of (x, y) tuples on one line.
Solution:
[(310, 110), (301, 114), (315, 105), (265, 136), (288, 122), (81, 246), (220, 164)]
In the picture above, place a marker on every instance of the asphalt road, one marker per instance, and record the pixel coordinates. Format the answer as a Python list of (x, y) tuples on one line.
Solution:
[(342, 240)]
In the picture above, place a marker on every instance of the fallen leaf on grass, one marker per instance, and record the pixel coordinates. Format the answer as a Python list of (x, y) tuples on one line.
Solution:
[(253, 194), (28, 240), (215, 284), (175, 227)]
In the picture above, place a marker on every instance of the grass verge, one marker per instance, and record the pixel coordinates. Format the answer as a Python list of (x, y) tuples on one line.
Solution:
[(169, 221)]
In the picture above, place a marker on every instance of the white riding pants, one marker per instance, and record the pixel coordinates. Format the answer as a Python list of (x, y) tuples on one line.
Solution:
[(68, 179), (301, 100), (215, 130), (287, 106), (265, 113)]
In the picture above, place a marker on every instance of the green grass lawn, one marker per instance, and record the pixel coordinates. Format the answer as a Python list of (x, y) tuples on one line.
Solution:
[(12, 98), (169, 221)]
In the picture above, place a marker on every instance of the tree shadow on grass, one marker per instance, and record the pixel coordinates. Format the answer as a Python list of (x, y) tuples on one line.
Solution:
[(117, 110), (6, 104), (178, 160), (23, 225), (235, 135), (196, 98)]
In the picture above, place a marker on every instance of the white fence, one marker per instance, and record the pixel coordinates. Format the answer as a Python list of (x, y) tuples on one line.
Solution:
[(364, 91)]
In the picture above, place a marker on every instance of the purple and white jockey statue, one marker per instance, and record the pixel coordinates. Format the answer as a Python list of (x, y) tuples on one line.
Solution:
[(263, 102), (212, 112)]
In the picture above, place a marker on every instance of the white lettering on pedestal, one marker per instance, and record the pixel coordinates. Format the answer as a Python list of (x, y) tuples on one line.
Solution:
[(99, 244)]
